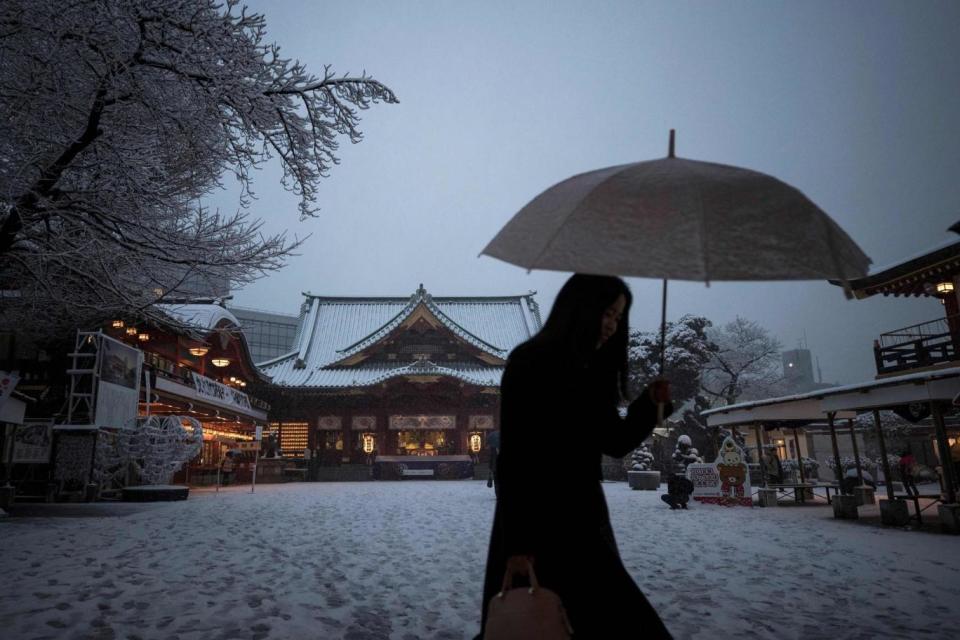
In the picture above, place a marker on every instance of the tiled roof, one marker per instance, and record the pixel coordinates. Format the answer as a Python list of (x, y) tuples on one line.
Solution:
[(200, 317), (332, 329)]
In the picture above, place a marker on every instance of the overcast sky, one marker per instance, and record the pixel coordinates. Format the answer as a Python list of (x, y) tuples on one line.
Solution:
[(854, 103)]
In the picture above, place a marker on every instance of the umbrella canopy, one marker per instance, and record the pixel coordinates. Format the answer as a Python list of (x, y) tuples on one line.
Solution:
[(679, 219)]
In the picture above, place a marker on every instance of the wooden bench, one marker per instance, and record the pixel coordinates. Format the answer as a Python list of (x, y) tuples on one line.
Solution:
[(796, 489)]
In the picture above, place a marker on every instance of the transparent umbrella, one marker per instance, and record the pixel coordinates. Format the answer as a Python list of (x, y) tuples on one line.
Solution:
[(679, 219)]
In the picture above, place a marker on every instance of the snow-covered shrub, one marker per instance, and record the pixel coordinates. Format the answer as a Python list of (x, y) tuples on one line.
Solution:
[(642, 459), (849, 462), (685, 453), (810, 465)]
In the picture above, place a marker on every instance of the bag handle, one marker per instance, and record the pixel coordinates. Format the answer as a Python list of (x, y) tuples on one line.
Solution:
[(508, 578)]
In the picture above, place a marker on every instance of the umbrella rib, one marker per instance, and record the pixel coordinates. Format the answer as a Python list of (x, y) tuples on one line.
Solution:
[(703, 236)]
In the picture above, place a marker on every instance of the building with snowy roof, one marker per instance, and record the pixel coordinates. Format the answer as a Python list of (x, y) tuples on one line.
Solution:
[(371, 377)]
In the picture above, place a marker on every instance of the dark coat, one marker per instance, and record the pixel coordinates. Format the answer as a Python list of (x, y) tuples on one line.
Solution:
[(556, 420)]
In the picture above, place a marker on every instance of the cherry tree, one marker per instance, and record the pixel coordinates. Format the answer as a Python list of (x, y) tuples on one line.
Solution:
[(119, 117), (745, 362)]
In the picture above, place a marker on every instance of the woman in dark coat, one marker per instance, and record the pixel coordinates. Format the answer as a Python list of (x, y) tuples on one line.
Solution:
[(559, 397)]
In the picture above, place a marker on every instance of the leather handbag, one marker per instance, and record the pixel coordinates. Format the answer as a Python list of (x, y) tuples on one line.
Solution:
[(527, 613)]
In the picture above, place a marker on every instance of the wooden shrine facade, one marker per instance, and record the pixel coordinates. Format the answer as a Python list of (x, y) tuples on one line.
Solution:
[(417, 377)]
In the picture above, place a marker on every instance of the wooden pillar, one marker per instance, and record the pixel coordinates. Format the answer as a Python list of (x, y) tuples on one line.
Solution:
[(943, 447), (796, 444), (763, 471), (883, 454), (836, 450), (856, 452)]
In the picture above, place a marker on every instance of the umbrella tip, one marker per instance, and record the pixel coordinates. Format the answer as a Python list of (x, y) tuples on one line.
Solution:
[(673, 135)]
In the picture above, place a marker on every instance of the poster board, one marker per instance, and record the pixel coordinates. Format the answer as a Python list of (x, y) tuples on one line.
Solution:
[(32, 443), (118, 390), (726, 480)]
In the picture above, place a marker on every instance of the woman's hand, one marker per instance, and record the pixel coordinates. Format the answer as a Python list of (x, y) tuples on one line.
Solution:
[(659, 391), (517, 567)]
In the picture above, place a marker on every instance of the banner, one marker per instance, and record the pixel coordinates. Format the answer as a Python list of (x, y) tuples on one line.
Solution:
[(726, 480), (31, 443), (214, 390), (119, 389)]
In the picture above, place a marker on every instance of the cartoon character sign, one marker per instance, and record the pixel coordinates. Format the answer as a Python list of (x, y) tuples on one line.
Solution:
[(732, 469), (726, 481)]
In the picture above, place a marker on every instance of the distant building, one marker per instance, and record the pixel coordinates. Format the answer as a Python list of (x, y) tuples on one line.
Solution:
[(798, 372), (269, 335), (798, 367)]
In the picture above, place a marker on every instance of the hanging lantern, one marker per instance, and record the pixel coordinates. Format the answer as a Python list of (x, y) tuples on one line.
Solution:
[(143, 337), (475, 442), (943, 288), (131, 331), (198, 351), (368, 442), (117, 324), (220, 362)]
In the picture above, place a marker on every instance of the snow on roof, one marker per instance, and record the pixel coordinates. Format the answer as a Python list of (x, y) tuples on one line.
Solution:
[(204, 317), (916, 256), (333, 328), (285, 374), (917, 378)]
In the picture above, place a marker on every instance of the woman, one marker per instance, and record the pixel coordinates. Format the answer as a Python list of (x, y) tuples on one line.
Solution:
[(559, 398), (906, 465)]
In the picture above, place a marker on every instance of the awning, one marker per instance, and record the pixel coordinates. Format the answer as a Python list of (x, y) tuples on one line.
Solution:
[(845, 401)]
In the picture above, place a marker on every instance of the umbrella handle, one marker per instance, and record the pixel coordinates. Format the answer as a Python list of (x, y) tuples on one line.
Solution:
[(660, 415)]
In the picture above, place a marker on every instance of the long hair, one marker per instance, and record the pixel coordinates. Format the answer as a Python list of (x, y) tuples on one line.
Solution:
[(574, 326)]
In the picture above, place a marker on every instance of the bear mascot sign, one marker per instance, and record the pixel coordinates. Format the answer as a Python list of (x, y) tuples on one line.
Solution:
[(725, 481)]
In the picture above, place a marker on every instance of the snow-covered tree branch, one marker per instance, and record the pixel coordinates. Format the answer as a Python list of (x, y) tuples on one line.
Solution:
[(745, 361), (119, 116)]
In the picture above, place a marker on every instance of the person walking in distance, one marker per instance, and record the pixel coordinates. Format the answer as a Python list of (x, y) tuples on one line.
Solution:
[(559, 396)]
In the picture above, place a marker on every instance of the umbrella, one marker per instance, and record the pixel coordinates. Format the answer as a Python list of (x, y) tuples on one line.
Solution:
[(680, 219)]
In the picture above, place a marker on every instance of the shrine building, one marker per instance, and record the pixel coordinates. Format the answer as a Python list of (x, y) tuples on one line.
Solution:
[(413, 379)]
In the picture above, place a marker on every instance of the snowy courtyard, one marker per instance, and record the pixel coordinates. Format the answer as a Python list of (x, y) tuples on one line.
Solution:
[(404, 560)]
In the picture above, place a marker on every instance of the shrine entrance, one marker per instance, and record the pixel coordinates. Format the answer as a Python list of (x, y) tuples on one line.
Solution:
[(424, 435)]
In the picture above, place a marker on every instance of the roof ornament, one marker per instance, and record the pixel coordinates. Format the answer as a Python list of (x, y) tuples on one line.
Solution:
[(421, 294)]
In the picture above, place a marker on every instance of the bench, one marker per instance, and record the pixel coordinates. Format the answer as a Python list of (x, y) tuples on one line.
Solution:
[(796, 489)]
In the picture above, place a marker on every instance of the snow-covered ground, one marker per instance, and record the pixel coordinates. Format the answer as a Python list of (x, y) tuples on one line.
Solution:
[(404, 560)]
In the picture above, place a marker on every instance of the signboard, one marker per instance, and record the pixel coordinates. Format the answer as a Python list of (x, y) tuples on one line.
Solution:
[(119, 388), (7, 383), (259, 432), (726, 481), (31, 443), (416, 472), (409, 423), (207, 388)]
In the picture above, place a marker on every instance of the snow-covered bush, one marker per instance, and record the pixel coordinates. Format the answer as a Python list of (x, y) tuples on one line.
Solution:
[(642, 459), (685, 453), (810, 465), (849, 462)]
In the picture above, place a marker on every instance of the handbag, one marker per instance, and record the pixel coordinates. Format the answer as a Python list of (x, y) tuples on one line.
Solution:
[(531, 613)]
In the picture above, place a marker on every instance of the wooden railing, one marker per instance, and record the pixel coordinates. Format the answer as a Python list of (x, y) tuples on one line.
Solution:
[(917, 346)]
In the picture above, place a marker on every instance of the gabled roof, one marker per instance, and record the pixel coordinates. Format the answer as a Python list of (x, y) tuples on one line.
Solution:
[(332, 329)]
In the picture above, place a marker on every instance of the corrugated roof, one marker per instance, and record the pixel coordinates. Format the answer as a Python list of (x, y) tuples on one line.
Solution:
[(333, 328)]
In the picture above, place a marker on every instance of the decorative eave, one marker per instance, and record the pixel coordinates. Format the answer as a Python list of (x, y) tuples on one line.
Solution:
[(205, 321), (910, 277)]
